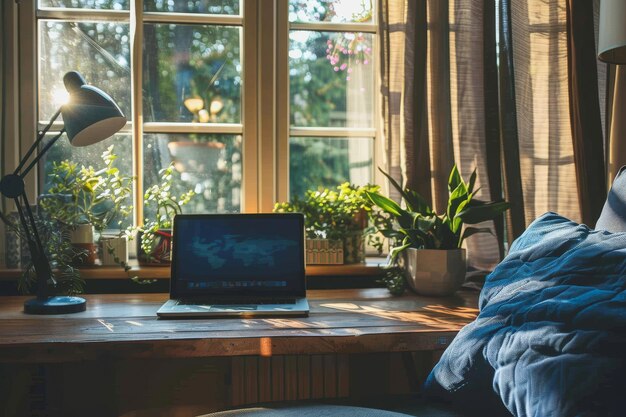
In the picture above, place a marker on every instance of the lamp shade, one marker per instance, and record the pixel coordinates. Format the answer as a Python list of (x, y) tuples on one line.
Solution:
[(612, 36), (90, 115)]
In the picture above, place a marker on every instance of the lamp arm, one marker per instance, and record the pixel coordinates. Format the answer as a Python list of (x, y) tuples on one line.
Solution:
[(33, 163), (38, 255), (34, 146)]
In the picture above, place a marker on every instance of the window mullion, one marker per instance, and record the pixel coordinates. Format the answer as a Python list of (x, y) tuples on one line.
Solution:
[(192, 18), (282, 100), (334, 27), (136, 63), (80, 15)]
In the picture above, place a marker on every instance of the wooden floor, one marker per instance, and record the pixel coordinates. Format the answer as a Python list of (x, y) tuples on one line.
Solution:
[(118, 359)]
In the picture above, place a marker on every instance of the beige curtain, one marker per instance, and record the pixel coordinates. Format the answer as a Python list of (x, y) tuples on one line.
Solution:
[(548, 174), (432, 83)]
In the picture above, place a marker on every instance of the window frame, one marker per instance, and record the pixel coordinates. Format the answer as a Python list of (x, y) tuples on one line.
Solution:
[(374, 133), (265, 99)]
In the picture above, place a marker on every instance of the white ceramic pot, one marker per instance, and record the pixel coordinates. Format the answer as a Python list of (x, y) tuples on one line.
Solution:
[(434, 272), (82, 233)]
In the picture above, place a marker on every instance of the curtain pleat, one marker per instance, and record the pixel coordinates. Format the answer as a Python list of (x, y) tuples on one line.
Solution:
[(508, 124), (467, 97), (491, 113), (439, 101), (539, 34), (584, 106), (403, 83)]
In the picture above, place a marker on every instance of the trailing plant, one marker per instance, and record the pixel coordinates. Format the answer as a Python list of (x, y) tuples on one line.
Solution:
[(165, 204), (394, 280), (336, 214), (418, 226)]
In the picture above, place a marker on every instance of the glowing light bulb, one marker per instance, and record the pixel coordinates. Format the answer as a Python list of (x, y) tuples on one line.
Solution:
[(60, 96)]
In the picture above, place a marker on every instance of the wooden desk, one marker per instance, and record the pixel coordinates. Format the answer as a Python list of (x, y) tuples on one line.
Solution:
[(352, 342)]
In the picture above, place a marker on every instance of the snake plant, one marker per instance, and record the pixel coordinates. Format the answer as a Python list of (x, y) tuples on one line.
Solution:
[(418, 226)]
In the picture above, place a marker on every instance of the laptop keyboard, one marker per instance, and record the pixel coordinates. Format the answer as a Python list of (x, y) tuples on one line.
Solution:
[(237, 301)]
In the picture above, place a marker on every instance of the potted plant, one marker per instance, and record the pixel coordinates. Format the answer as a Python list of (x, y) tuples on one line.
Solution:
[(431, 244), (334, 221), (154, 237), (85, 200)]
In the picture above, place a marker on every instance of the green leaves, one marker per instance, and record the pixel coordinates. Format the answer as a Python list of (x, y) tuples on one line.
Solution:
[(334, 214), (420, 227), (86, 195), (477, 213), (414, 201)]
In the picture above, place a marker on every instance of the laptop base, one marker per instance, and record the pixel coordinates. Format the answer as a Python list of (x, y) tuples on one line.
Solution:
[(173, 309)]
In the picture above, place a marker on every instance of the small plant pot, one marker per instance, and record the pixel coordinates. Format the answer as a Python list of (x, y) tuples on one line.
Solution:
[(434, 272), (114, 250), (160, 255), (324, 252), (81, 237), (354, 248)]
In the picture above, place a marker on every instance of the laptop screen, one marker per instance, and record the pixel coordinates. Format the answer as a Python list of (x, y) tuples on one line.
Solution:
[(238, 254)]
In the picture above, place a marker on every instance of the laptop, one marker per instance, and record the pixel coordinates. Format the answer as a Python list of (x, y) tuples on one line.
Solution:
[(237, 265)]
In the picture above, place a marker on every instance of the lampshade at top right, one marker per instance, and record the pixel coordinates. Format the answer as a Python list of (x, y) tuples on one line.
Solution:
[(612, 33)]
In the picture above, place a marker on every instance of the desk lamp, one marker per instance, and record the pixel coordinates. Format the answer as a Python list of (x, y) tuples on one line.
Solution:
[(89, 117)]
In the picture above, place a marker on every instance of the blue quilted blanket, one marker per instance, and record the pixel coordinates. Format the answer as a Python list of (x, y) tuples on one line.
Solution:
[(550, 339)]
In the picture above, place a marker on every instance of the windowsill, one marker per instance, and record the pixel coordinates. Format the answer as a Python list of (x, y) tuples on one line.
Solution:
[(371, 268)]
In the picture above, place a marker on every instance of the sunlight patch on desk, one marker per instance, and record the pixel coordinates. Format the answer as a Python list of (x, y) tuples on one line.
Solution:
[(265, 346), (403, 316), (464, 312), (341, 306), (289, 323), (108, 326), (134, 323)]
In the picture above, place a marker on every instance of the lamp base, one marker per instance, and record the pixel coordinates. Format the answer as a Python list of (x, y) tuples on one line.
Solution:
[(55, 305)]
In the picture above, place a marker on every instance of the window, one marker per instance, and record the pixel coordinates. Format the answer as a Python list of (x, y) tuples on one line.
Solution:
[(192, 78), (187, 75), (332, 93)]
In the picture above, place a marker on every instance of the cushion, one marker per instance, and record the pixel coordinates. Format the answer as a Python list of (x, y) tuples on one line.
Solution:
[(550, 338), (613, 216)]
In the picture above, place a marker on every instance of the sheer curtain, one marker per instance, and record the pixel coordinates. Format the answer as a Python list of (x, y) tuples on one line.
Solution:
[(501, 87), (433, 87)]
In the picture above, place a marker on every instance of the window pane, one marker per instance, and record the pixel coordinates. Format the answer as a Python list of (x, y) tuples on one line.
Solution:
[(327, 162), (183, 62), (210, 165), (87, 4), (230, 7), (330, 11), (91, 156), (331, 79), (100, 51)]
